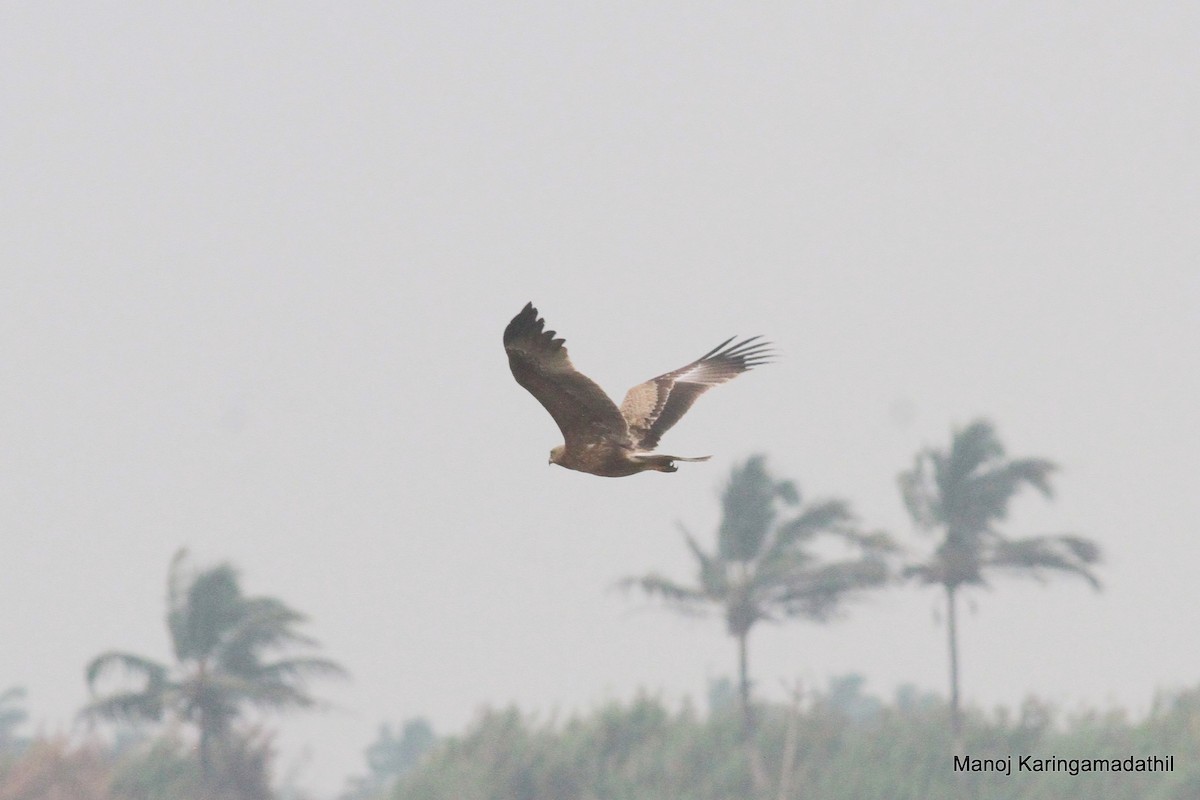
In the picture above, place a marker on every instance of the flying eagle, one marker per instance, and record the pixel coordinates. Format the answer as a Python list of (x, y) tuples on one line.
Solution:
[(599, 437)]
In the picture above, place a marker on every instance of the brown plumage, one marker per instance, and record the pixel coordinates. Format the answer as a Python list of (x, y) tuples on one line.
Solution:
[(599, 437)]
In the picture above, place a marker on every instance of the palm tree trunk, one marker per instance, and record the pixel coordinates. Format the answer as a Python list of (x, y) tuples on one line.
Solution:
[(205, 752), (790, 736), (744, 684), (758, 769), (955, 710)]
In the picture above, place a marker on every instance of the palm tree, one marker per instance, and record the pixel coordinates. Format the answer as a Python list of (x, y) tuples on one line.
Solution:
[(222, 641), (963, 494), (764, 569)]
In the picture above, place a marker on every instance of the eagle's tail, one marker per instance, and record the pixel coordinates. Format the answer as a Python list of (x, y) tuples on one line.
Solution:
[(665, 463)]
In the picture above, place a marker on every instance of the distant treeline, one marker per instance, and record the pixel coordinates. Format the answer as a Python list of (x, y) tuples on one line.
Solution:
[(841, 746)]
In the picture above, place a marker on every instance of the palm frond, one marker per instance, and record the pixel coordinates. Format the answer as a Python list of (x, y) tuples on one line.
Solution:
[(877, 542), (971, 448), (281, 696), (300, 669), (714, 578), (214, 607), (925, 573), (682, 598), (772, 571), (817, 518), (1033, 472), (177, 603), (920, 492), (787, 492), (748, 506), (148, 705), (1085, 550), (264, 624), (988, 494), (817, 593), (1033, 555), (283, 684), (214, 698), (130, 665)]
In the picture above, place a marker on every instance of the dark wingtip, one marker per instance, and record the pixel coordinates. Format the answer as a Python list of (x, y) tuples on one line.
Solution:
[(528, 327), (754, 352), (748, 352), (524, 322)]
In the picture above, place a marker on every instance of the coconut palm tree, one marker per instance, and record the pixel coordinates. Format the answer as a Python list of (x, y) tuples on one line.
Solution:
[(224, 645), (962, 494), (763, 568)]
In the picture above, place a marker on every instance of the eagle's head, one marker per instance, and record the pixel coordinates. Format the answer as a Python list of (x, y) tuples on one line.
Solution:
[(556, 454)]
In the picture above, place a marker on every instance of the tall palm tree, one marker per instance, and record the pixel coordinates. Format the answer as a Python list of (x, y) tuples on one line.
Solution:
[(223, 642), (764, 569), (962, 494)]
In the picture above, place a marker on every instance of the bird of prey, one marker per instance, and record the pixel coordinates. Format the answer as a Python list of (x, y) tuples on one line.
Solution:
[(599, 437)]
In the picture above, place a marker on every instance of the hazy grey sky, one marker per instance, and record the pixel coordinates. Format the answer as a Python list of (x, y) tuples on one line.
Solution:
[(257, 261)]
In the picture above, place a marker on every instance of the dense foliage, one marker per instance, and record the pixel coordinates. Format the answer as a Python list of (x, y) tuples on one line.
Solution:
[(160, 768), (847, 747)]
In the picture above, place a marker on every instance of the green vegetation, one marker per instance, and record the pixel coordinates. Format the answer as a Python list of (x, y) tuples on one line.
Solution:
[(897, 751), (163, 768), (392, 756), (844, 745)]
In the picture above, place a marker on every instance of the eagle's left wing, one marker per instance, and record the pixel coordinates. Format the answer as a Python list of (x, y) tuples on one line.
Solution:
[(651, 408)]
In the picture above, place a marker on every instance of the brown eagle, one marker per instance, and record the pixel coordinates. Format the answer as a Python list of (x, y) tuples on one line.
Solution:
[(599, 437)]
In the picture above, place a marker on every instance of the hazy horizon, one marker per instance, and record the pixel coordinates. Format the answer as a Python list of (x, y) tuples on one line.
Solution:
[(258, 262)]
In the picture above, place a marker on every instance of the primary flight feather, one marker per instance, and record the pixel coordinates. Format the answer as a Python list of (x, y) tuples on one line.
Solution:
[(599, 437)]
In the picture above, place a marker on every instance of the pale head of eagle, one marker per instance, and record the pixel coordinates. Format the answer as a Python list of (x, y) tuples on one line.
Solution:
[(556, 453)]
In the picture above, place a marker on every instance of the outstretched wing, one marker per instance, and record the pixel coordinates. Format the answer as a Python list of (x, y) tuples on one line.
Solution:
[(539, 362), (651, 408)]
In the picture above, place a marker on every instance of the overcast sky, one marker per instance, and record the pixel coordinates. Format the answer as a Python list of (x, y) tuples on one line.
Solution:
[(257, 261)]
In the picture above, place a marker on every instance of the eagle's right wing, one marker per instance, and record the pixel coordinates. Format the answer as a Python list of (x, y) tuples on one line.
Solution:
[(539, 362)]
